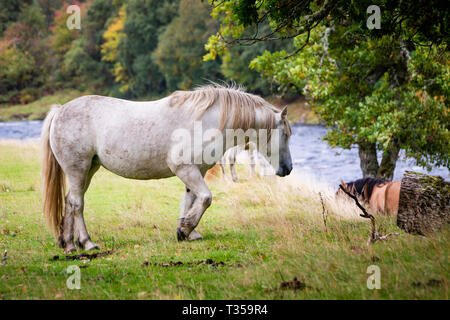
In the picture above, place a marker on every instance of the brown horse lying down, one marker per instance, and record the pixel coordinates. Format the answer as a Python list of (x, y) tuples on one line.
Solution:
[(382, 196)]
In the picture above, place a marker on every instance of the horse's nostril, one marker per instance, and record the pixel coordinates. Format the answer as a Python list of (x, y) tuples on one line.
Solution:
[(280, 172), (287, 170)]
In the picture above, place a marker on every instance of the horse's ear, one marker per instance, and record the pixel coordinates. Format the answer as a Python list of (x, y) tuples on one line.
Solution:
[(343, 184), (284, 112)]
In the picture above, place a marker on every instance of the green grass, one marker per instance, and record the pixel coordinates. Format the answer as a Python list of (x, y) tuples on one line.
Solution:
[(264, 230), (36, 110)]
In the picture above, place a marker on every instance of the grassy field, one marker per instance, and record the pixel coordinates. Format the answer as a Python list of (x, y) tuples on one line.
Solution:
[(265, 231)]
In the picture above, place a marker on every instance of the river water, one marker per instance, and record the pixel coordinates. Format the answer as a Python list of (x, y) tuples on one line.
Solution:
[(310, 154)]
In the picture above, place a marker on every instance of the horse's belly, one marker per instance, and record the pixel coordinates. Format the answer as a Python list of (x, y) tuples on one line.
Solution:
[(142, 168), (143, 174)]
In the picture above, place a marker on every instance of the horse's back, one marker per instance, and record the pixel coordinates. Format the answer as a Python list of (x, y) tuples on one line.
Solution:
[(377, 199), (392, 197), (124, 135), (103, 108), (384, 198)]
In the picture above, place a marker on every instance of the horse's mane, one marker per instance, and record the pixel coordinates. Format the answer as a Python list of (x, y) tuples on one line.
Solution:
[(364, 187), (235, 103)]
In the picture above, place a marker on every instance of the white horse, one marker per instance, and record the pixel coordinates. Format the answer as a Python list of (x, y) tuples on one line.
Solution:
[(254, 158), (135, 140)]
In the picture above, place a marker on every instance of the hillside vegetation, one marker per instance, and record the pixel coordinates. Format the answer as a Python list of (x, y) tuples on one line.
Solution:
[(36, 110)]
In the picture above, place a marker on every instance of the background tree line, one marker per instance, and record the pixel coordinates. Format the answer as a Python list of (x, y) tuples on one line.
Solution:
[(127, 48)]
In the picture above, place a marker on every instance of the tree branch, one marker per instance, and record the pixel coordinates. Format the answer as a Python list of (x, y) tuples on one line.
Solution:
[(311, 21), (374, 235)]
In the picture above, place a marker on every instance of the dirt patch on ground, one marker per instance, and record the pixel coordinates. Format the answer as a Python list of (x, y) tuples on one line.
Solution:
[(293, 284), (83, 256), (429, 283), (210, 262)]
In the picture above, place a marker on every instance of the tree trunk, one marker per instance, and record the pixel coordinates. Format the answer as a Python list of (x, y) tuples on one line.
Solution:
[(424, 204), (390, 157), (398, 75), (368, 159)]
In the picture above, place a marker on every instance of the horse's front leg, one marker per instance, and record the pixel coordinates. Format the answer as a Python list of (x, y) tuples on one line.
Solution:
[(234, 176), (201, 199), (222, 166), (232, 160), (188, 200), (251, 154)]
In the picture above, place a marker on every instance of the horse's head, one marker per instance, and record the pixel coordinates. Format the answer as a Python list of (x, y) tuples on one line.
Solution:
[(361, 188), (340, 193), (279, 148)]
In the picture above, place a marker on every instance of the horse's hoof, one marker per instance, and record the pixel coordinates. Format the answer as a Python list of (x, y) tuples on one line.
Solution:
[(181, 236), (89, 245), (60, 242), (70, 249), (195, 236)]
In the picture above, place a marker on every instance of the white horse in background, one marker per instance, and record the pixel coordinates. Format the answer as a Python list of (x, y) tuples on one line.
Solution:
[(254, 158), (135, 140)]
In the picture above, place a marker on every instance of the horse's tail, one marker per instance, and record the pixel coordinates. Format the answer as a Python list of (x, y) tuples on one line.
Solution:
[(53, 179)]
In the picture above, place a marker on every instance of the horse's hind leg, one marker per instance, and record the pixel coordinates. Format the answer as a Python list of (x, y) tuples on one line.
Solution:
[(77, 176), (73, 205), (83, 239)]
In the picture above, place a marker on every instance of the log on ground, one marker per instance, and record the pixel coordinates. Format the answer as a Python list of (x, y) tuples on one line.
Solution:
[(424, 203)]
